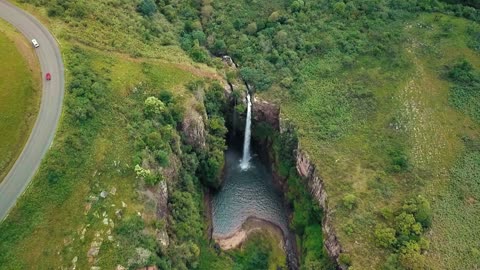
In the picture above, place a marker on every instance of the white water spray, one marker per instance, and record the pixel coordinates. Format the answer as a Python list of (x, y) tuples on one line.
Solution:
[(245, 163)]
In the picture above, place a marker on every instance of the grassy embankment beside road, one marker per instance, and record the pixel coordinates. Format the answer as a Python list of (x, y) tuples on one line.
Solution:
[(19, 94)]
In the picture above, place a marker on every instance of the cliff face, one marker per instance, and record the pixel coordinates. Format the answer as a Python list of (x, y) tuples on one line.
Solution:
[(266, 112), (308, 171), (270, 113), (193, 128)]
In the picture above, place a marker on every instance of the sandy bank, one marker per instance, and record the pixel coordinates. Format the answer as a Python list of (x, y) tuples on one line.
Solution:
[(251, 225)]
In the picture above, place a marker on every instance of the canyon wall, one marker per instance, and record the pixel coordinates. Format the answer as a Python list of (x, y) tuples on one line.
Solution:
[(264, 111), (307, 170)]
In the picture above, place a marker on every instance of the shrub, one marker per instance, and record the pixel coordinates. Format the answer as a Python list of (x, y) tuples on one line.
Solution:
[(153, 179), (410, 256), (464, 94), (344, 259), (421, 210), (406, 225), (399, 160), (55, 11), (349, 201), (392, 263), (154, 106), (161, 157), (87, 88), (385, 237), (141, 172)]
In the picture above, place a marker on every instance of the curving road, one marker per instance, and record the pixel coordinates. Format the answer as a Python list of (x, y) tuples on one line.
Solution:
[(45, 126)]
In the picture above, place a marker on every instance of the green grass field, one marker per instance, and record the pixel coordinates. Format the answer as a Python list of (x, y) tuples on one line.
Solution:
[(19, 94), (408, 109)]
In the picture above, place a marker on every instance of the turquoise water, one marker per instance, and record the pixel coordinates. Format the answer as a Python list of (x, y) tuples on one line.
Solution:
[(246, 193)]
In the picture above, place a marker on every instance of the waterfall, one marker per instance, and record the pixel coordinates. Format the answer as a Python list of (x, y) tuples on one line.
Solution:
[(245, 163)]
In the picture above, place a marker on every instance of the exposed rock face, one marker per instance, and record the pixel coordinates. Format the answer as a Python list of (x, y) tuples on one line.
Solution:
[(266, 112), (162, 201), (270, 113), (162, 213), (194, 129), (307, 170)]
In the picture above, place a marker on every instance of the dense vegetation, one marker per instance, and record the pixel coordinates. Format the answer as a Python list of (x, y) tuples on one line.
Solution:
[(465, 94), (307, 215), (213, 158), (365, 83)]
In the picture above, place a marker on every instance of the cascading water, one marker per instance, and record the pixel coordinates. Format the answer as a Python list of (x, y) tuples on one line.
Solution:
[(248, 191), (245, 163)]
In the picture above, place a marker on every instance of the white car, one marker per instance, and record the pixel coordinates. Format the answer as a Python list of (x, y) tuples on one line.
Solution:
[(35, 43)]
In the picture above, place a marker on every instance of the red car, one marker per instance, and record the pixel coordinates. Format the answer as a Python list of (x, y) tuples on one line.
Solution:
[(48, 77)]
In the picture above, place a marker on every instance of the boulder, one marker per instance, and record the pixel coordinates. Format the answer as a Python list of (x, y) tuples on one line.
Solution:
[(103, 194)]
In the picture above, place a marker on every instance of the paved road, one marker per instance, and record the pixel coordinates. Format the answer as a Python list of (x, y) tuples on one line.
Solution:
[(43, 132)]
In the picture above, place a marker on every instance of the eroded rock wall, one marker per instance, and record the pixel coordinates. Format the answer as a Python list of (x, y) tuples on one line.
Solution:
[(266, 112), (307, 170), (270, 113), (193, 128)]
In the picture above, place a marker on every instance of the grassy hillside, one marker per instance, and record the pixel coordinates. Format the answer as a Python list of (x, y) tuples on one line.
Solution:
[(19, 94), (119, 134)]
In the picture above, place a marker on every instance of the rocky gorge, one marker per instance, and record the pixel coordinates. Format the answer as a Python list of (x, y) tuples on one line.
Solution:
[(263, 113)]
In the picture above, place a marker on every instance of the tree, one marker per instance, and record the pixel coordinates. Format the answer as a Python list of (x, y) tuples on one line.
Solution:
[(200, 36), (256, 78), (219, 47), (274, 16), (281, 37), (206, 12), (252, 28), (339, 7), (216, 126), (297, 5), (147, 7)]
